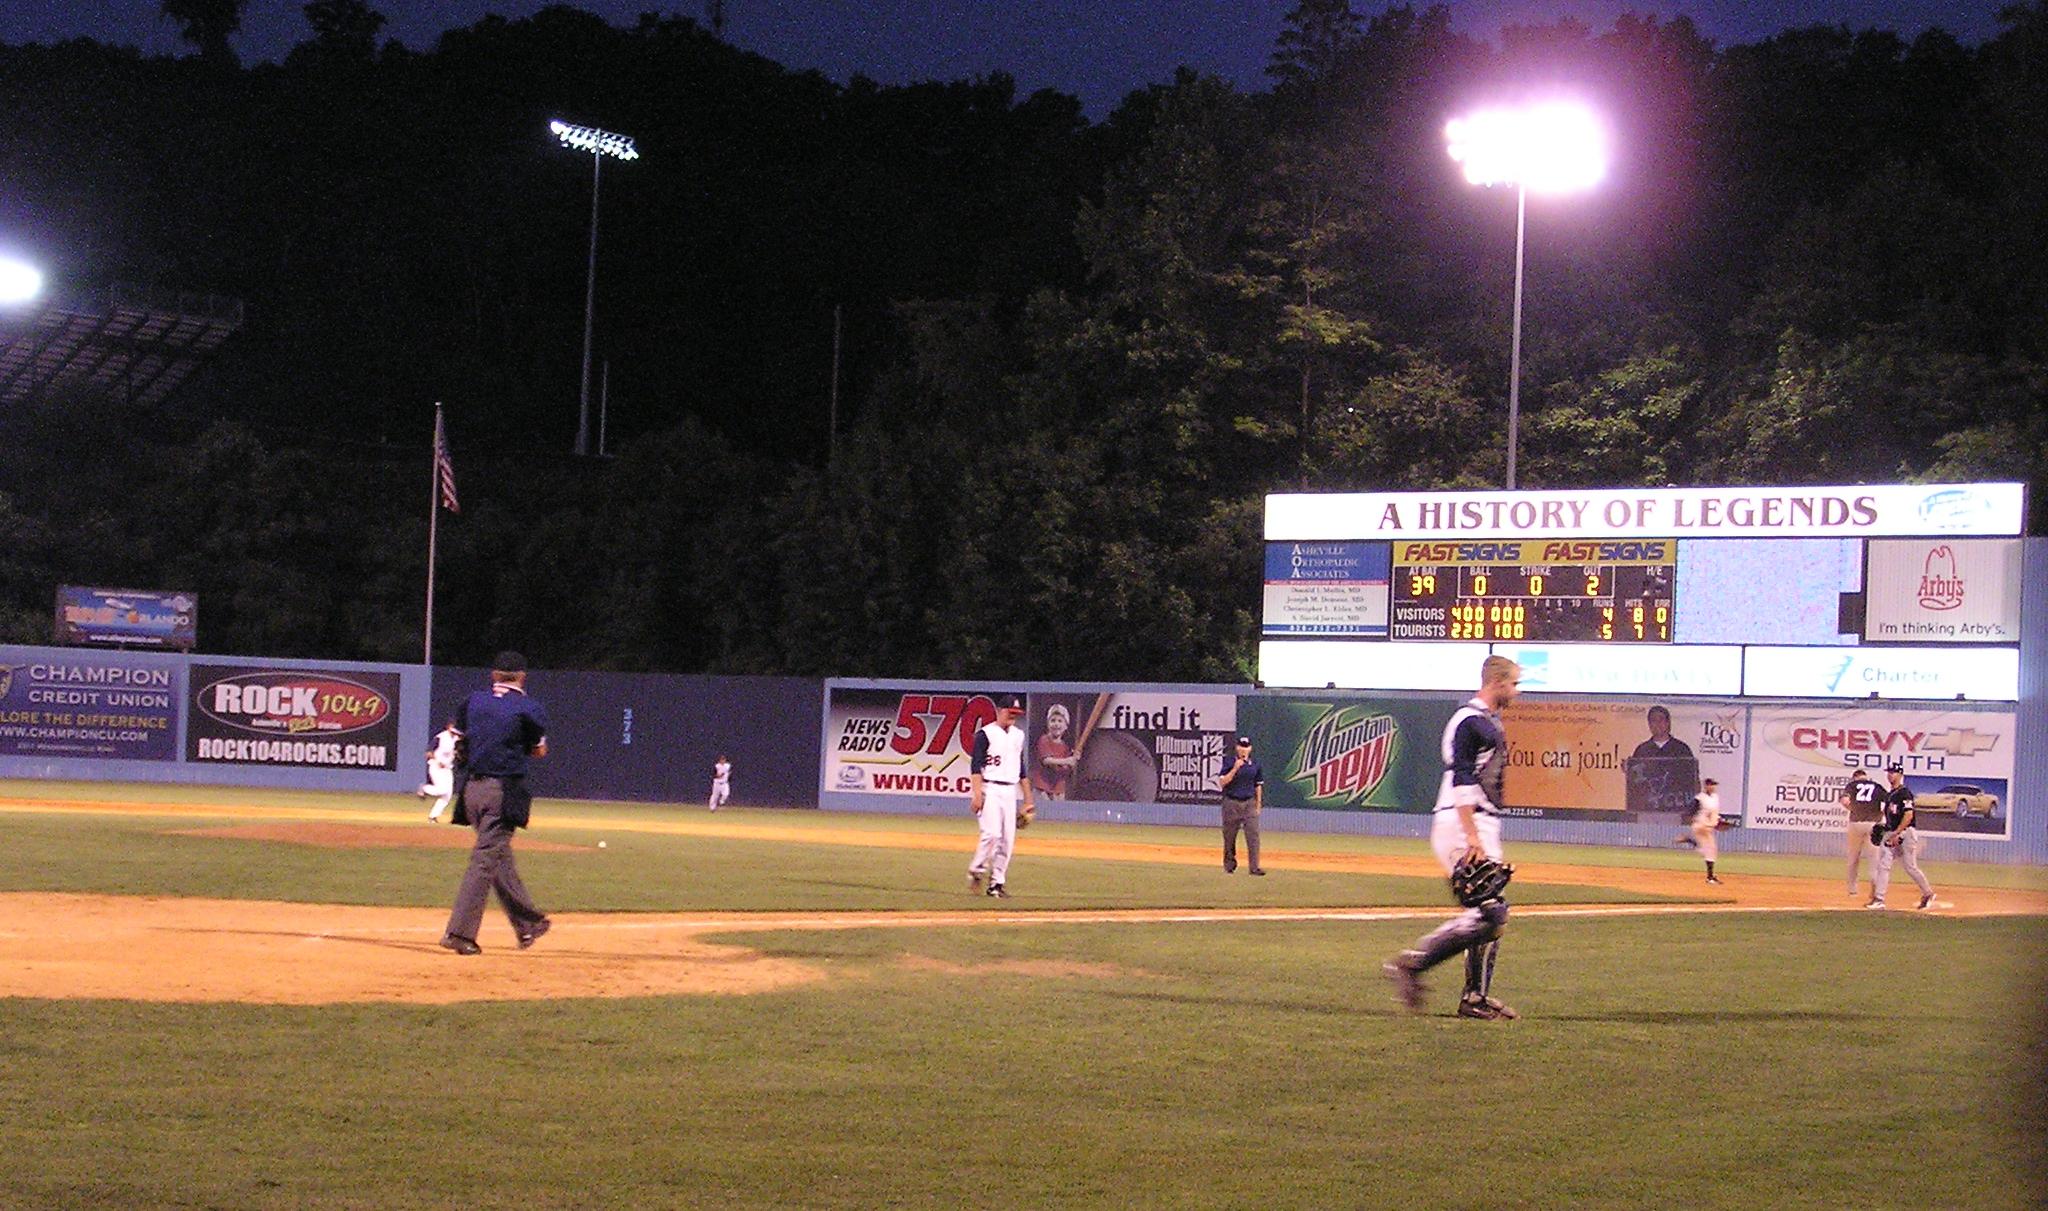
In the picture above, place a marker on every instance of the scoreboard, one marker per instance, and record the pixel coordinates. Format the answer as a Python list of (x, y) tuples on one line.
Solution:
[(1534, 590)]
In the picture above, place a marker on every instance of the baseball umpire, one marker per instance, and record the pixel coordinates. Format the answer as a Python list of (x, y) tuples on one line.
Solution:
[(1465, 833), (995, 780), (501, 729)]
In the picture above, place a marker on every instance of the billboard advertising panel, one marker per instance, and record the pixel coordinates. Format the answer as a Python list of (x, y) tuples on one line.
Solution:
[(91, 705), (1608, 760), (313, 718), (1120, 747), (1959, 763), (1329, 753), (1943, 591), (1991, 674), (129, 618), (1326, 588)]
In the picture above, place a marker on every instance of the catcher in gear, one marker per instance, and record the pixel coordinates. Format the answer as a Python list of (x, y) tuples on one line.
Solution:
[(1466, 837)]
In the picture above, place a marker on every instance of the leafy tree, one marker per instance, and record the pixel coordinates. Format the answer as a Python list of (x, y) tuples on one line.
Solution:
[(207, 25)]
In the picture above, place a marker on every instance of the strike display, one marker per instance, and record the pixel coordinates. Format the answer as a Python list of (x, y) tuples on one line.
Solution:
[(1534, 590)]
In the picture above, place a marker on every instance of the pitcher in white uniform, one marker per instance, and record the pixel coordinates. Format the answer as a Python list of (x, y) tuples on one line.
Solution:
[(995, 781), (1706, 824), (440, 783)]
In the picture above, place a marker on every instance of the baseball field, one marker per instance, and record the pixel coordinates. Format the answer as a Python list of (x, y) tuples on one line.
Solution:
[(223, 998)]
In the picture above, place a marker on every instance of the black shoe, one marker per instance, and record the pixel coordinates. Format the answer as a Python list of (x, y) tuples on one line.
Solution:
[(533, 935), (1712, 879), (1486, 1009), (998, 891), (1407, 984), (1230, 868), (461, 946), (1258, 870), (1927, 899)]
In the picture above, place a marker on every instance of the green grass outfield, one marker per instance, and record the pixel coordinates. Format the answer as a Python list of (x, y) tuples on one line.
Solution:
[(1794, 1060)]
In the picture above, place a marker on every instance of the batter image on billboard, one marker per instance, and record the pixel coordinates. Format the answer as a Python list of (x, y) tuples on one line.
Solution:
[(1130, 747), (1663, 773)]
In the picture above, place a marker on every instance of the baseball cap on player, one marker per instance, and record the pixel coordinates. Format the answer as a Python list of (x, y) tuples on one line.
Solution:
[(1244, 742), (1896, 767), (1708, 782), (1009, 702), (508, 662)]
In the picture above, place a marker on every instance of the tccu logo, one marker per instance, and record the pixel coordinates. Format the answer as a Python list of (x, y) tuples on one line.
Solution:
[(1941, 582)]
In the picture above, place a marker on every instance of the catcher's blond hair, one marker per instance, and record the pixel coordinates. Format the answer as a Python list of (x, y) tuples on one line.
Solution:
[(1497, 669)]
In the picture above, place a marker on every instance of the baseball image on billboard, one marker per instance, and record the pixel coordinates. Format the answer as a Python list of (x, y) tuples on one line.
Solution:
[(1130, 747), (244, 715)]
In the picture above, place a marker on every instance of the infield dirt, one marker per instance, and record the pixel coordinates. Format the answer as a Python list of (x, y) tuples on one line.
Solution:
[(149, 948)]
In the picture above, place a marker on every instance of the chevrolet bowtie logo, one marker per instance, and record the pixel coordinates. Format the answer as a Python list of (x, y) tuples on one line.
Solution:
[(1965, 742)]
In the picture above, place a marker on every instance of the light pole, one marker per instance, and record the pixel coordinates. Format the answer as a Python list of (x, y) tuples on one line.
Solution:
[(20, 282), (1552, 147), (599, 143)]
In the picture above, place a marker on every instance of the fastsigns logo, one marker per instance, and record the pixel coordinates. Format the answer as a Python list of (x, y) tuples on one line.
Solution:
[(1941, 584), (1345, 760)]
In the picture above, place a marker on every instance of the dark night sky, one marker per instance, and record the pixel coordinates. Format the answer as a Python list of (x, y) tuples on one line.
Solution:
[(1096, 49)]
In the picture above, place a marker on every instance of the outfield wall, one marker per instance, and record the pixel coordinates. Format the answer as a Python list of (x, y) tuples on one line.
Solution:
[(1366, 762)]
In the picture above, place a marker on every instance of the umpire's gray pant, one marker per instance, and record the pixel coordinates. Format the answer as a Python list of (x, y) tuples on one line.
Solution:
[(1908, 854), (490, 866)]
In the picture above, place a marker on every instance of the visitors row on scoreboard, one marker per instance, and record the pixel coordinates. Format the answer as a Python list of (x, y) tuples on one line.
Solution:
[(1793, 592)]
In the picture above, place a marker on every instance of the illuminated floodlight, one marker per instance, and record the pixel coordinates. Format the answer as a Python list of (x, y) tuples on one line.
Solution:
[(20, 282), (1551, 147), (595, 141)]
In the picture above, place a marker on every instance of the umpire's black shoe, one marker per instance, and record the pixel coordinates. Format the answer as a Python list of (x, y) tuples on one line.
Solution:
[(461, 946), (533, 935)]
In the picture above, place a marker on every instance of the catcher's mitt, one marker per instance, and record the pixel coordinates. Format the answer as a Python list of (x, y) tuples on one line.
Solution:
[(1026, 813), (1477, 879)]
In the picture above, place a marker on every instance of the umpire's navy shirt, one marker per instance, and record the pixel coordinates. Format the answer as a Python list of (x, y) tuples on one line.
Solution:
[(501, 724), (1246, 783)]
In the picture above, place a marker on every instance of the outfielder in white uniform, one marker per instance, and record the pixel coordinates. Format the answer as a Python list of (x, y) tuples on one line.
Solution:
[(721, 781), (1467, 817), (1706, 824), (995, 780), (440, 783)]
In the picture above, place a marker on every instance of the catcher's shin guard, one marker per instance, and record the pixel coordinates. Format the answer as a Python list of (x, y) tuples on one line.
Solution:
[(1473, 927), (1479, 968)]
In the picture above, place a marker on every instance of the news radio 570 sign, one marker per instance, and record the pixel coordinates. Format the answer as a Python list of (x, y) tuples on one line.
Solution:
[(244, 715)]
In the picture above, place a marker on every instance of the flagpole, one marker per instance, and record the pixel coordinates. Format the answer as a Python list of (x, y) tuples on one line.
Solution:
[(433, 529)]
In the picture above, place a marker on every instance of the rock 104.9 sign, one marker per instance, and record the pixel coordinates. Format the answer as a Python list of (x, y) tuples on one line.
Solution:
[(293, 717)]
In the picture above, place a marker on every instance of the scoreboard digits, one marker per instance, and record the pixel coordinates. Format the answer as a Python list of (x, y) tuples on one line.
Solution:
[(1534, 590)]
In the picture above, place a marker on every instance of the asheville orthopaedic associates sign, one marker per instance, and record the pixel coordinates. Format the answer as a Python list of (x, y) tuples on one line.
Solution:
[(1775, 512)]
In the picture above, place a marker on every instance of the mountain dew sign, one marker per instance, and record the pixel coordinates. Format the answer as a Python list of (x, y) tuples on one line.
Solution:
[(1333, 753)]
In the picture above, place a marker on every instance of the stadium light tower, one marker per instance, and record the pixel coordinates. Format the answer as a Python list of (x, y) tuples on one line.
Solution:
[(20, 282), (1552, 147), (599, 143)]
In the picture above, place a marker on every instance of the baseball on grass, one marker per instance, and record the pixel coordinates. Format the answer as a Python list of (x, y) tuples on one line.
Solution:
[(600, 845)]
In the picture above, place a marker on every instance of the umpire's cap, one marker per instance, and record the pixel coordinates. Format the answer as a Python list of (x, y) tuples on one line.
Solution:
[(1009, 702), (508, 662)]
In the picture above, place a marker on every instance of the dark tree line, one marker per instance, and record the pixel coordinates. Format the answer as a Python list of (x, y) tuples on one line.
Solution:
[(1074, 355)]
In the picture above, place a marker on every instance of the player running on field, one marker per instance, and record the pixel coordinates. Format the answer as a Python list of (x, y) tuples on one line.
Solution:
[(1465, 833), (440, 783)]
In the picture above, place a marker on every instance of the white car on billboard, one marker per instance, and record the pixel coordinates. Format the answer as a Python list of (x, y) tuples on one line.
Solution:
[(1961, 798)]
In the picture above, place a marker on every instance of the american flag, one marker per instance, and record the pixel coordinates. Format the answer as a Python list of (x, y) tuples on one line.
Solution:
[(444, 467)]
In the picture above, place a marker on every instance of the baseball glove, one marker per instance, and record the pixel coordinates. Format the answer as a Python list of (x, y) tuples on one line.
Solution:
[(1026, 813), (1877, 834), (1477, 879)]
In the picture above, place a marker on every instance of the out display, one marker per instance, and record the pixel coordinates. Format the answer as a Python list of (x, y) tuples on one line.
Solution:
[(1534, 590)]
